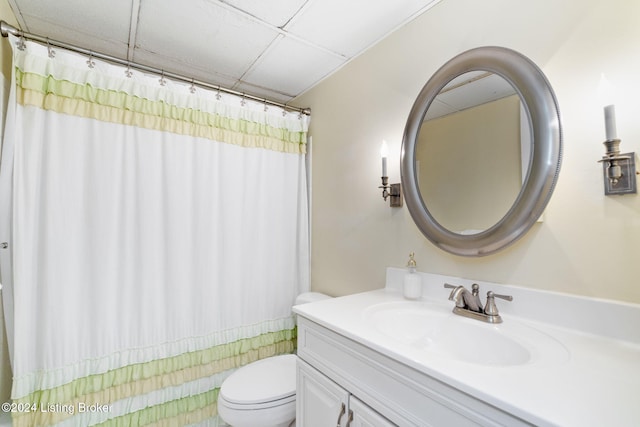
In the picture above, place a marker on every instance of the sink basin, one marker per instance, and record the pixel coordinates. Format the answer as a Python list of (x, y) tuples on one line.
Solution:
[(435, 331)]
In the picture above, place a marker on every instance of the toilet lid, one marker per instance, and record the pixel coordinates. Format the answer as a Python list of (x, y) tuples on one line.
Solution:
[(263, 381)]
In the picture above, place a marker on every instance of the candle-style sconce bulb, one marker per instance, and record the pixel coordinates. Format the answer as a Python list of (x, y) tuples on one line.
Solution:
[(619, 170), (393, 191)]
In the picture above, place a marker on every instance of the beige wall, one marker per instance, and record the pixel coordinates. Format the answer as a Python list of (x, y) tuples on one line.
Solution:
[(6, 14), (5, 57), (588, 244)]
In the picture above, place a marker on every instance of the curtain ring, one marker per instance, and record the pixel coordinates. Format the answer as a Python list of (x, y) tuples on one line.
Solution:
[(266, 107), (218, 96), (50, 51), (162, 80), (22, 45), (243, 101), (192, 89), (90, 62), (128, 71)]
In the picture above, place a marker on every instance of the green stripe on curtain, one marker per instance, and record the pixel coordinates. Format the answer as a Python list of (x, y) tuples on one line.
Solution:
[(185, 411), (130, 381), (113, 106)]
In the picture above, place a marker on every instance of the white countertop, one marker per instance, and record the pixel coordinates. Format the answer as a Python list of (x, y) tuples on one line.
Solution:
[(596, 382)]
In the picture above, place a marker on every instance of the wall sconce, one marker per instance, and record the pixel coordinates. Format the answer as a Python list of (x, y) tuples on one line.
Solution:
[(393, 191), (619, 170)]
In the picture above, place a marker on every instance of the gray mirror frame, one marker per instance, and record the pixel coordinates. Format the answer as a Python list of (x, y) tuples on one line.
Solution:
[(542, 109)]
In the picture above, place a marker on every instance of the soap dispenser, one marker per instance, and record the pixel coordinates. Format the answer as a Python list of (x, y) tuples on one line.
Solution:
[(412, 286)]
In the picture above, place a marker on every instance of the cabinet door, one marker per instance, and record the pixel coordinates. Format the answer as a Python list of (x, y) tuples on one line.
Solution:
[(319, 401), (364, 416)]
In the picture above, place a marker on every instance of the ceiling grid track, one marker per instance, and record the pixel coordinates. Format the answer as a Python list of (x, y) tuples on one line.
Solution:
[(133, 28), (282, 30), (18, 14)]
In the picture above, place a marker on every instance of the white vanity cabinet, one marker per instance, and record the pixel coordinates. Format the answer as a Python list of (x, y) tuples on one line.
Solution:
[(321, 402), (364, 416), (337, 374)]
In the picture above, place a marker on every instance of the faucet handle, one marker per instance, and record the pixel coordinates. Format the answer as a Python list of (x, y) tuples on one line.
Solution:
[(505, 297), (490, 307)]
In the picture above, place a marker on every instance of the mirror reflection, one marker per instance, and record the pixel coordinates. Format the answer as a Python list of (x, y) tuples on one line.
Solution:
[(472, 152)]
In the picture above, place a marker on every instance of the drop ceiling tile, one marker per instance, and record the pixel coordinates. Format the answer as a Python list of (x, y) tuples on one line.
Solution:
[(178, 67), (290, 67), (438, 109), (262, 92), (466, 92), (275, 12), (349, 27), (477, 92), (202, 33), (76, 38), (108, 20)]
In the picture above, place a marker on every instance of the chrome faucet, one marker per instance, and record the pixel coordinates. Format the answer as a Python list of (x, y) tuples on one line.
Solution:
[(465, 299), (468, 303)]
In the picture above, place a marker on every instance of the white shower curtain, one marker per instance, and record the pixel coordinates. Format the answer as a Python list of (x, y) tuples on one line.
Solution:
[(157, 240)]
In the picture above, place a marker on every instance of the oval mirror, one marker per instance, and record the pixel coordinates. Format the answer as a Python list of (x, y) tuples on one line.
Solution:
[(481, 151)]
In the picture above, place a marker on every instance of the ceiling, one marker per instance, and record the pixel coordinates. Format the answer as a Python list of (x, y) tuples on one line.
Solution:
[(275, 49)]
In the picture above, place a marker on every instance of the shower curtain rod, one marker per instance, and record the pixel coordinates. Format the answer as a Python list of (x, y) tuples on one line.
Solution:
[(6, 29)]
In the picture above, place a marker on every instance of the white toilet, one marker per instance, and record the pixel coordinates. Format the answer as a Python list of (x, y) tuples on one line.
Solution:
[(263, 393)]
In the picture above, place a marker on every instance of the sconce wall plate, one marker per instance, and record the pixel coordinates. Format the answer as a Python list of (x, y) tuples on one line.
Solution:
[(627, 183), (396, 196)]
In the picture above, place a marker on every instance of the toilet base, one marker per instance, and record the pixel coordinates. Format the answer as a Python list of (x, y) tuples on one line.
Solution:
[(278, 416), (291, 424)]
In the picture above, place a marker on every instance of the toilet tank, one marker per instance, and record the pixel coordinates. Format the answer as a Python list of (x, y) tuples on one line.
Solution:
[(307, 297)]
